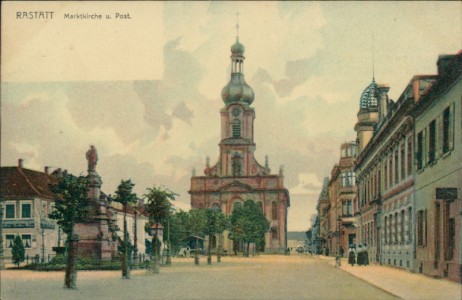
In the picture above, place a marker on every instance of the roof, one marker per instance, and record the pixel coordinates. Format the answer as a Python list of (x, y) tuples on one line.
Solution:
[(20, 182)]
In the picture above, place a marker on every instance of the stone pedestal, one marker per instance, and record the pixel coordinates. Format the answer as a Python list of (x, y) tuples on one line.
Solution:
[(95, 235)]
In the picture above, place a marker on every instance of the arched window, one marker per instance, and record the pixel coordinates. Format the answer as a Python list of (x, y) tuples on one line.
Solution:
[(216, 207), (237, 204), (274, 210), (236, 128)]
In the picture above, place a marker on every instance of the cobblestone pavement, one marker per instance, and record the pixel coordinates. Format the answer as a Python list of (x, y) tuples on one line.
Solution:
[(259, 277), (402, 283)]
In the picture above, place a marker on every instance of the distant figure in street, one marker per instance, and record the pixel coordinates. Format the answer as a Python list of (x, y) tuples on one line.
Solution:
[(365, 255), (327, 251), (360, 255), (351, 255), (341, 251)]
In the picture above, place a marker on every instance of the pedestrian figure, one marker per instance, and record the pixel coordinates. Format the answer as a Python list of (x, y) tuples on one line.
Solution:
[(338, 261), (327, 251), (360, 253), (351, 256), (366, 255), (341, 251)]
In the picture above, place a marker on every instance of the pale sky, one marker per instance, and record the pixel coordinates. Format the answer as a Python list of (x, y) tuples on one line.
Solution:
[(146, 90)]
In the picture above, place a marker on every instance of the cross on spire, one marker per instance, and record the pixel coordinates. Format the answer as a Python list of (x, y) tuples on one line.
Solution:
[(373, 58)]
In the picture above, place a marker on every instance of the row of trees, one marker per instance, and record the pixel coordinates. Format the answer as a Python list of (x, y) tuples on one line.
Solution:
[(247, 224)]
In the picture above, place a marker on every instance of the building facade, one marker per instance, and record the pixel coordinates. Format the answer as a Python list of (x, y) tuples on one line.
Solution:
[(237, 176), (27, 202), (438, 179)]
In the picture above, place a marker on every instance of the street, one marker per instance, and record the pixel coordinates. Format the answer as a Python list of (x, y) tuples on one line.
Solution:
[(259, 277)]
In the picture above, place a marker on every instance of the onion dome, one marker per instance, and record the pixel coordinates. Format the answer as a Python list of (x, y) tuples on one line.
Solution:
[(237, 90), (369, 97), (237, 48)]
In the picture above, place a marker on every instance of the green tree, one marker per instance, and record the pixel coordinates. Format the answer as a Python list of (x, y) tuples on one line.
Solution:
[(71, 207), (197, 223), (179, 230), (158, 207), (125, 196), (248, 224), (18, 251), (215, 223)]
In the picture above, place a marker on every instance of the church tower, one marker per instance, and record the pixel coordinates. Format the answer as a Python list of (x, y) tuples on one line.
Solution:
[(237, 176)]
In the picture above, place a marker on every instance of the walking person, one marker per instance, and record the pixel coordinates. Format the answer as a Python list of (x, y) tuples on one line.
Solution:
[(351, 255), (360, 255), (366, 255)]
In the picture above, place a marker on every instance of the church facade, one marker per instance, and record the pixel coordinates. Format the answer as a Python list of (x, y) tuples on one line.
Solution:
[(237, 176)]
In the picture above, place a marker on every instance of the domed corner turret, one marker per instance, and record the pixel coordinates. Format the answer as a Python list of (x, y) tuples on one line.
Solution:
[(369, 97)]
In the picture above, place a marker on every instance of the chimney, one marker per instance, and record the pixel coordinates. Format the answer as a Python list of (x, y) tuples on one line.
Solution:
[(20, 163), (443, 62), (47, 170)]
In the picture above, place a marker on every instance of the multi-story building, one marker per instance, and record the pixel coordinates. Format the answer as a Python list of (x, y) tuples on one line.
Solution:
[(27, 202), (384, 171), (323, 208), (237, 176), (438, 174)]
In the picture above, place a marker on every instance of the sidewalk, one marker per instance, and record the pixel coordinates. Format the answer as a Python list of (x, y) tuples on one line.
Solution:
[(402, 283)]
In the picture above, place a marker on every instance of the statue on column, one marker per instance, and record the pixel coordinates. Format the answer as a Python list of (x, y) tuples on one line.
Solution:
[(92, 158)]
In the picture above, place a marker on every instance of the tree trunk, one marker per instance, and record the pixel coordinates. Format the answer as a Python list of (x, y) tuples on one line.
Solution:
[(218, 248), (209, 258), (125, 271), (248, 249), (71, 272), (196, 256)]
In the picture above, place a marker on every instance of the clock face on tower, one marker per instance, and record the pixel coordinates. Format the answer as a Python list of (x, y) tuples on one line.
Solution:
[(236, 112)]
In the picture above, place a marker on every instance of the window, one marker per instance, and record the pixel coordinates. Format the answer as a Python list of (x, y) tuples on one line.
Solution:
[(346, 208), (27, 240), (260, 205), (419, 153), (385, 172), (390, 170), (44, 208), (403, 215), (26, 210), (274, 210), (446, 127), (431, 141), (396, 167), (390, 227), (437, 230), (10, 211), (9, 238), (409, 225), (348, 178), (449, 233), (403, 162), (385, 230), (396, 229), (236, 129), (274, 233), (409, 157), (421, 227)]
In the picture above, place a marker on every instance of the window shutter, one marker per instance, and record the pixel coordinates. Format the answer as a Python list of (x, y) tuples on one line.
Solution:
[(439, 136), (424, 147), (451, 127)]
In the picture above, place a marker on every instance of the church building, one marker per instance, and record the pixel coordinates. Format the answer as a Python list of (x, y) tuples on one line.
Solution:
[(237, 176)]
